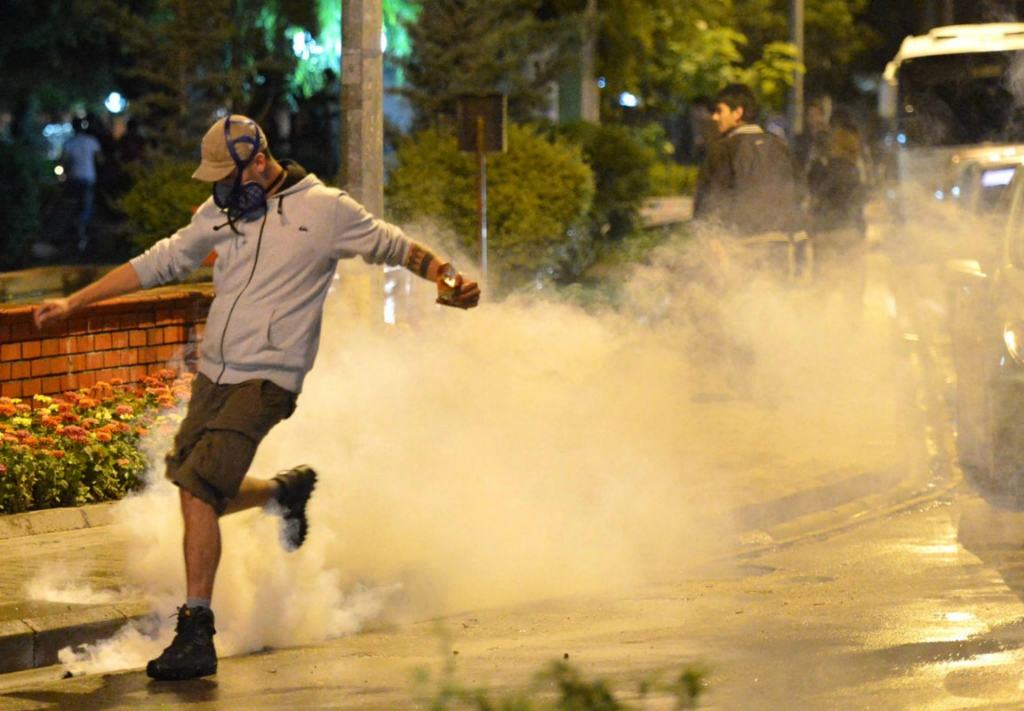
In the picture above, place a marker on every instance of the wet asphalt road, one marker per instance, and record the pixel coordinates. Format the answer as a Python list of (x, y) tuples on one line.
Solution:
[(916, 610)]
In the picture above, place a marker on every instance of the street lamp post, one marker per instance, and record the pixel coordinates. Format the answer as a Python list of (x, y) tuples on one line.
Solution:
[(796, 102)]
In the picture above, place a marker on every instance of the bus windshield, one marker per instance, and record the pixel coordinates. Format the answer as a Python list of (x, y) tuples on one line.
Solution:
[(958, 99)]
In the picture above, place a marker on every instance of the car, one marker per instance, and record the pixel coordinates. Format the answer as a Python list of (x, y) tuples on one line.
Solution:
[(986, 325)]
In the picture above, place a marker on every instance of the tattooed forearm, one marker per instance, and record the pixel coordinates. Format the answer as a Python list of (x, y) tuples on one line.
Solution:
[(419, 260)]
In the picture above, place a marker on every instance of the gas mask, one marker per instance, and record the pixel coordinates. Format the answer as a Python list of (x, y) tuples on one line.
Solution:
[(241, 201)]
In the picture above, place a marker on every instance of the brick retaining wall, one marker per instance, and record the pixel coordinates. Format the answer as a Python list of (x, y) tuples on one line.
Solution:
[(127, 338)]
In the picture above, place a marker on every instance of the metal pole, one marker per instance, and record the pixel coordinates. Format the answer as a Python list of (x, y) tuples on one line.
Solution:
[(481, 177), (796, 103)]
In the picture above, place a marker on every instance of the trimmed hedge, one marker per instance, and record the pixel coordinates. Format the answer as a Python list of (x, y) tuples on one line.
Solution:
[(539, 193)]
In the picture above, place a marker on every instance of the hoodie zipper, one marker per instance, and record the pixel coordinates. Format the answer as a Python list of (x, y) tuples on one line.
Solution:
[(231, 311)]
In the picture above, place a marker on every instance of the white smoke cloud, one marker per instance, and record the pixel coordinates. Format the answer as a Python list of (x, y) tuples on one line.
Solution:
[(526, 450)]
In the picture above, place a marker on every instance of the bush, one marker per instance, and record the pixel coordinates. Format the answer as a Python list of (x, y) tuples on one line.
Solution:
[(668, 179), (538, 196), (621, 161), (84, 447), (20, 202), (161, 200)]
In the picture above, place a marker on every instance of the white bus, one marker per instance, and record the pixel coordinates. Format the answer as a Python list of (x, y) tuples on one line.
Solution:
[(953, 88)]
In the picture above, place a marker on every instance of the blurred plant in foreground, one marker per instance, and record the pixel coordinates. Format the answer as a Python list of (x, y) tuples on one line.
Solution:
[(561, 687)]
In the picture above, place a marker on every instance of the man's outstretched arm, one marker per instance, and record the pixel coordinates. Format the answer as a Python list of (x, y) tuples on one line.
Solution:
[(122, 280), (454, 289)]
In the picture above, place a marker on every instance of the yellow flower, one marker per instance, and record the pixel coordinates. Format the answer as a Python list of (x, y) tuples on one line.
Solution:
[(22, 421), (45, 399)]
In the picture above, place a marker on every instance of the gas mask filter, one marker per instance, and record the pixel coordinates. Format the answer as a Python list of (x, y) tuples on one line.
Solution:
[(241, 201)]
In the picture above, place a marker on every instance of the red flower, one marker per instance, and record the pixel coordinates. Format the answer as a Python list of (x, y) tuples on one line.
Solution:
[(75, 434)]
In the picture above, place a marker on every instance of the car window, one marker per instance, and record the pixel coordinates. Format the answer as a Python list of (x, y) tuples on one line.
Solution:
[(994, 185)]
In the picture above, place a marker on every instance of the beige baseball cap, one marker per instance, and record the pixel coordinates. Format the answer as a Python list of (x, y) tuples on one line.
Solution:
[(217, 163)]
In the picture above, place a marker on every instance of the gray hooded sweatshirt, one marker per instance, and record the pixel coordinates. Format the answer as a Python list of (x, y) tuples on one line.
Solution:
[(271, 280)]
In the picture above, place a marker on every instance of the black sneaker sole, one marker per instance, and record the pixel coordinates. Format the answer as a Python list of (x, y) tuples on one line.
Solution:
[(179, 674), (295, 525)]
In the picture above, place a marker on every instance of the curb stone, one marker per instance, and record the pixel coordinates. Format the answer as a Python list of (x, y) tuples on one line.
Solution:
[(56, 520)]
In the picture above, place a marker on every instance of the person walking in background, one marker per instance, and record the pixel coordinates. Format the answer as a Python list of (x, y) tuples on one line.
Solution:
[(279, 233), (131, 146), (749, 185), (81, 153), (839, 194), (812, 143)]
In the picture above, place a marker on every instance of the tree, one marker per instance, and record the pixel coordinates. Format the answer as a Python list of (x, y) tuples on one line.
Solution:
[(461, 47), (834, 37), (668, 53), (186, 60)]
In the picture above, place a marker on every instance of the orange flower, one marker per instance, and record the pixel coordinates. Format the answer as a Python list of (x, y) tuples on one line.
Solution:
[(7, 409), (57, 453), (141, 431), (102, 436)]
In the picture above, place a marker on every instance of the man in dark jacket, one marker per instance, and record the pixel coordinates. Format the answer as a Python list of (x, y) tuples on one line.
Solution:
[(749, 184)]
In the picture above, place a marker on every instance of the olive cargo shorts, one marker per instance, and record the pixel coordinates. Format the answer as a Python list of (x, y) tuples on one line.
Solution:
[(217, 439)]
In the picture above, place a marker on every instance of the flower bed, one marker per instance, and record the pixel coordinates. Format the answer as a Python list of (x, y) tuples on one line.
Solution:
[(85, 446)]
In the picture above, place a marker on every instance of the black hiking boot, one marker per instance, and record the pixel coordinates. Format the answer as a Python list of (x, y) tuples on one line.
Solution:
[(293, 491), (192, 653)]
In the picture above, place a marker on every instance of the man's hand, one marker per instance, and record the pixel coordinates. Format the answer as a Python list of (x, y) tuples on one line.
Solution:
[(50, 310), (459, 292)]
